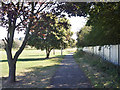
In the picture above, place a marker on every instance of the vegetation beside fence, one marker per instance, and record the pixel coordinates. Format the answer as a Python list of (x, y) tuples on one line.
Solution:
[(101, 73)]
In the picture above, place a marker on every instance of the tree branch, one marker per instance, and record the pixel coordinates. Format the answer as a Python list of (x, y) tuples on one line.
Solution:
[(23, 44), (42, 8), (26, 37)]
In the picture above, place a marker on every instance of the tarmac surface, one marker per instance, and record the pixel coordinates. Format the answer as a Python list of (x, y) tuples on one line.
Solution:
[(69, 75)]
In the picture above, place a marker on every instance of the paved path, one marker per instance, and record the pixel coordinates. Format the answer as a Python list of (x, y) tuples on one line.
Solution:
[(69, 75)]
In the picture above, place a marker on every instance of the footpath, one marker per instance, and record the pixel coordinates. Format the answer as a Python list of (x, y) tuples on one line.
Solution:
[(69, 75)]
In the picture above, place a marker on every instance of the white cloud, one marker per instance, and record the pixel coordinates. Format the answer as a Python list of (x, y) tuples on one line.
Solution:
[(77, 23)]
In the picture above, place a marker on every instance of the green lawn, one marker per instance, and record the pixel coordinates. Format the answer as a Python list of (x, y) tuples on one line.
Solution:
[(32, 67), (101, 73)]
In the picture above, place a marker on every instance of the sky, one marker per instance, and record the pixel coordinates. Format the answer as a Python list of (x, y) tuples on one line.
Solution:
[(76, 22)]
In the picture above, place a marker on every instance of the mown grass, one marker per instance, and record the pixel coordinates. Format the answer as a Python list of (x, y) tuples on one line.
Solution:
[(101, 73), (33, 70)]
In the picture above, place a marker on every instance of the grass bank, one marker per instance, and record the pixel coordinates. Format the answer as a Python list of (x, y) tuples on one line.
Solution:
[(101, 73), (33, 70)]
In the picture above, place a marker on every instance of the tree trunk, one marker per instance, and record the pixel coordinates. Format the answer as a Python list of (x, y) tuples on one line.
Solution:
[(48, 50), (48, 55), (12, 72)]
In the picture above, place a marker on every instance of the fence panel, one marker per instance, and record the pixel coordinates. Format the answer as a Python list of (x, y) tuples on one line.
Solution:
[(114, 54), (107, 52)]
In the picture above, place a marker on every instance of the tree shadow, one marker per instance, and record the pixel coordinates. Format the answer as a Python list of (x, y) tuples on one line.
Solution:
[(34, 59), (33, 55), (28, 59), (38, 77)]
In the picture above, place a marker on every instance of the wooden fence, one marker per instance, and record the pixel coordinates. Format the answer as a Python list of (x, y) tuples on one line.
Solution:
[(107, 52)]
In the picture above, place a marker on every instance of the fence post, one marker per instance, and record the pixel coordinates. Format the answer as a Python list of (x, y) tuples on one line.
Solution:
[(93, 50), (103, 52), (96, 50), (109, 53), (99, 50), (118, 60)]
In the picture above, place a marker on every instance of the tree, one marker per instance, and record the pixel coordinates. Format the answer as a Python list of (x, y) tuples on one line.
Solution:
[(19, 16), (104, 19), (81, 42), (51, 35), (69, 38), (74, 8)]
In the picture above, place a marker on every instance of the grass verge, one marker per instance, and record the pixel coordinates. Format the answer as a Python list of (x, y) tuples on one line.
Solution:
[(101, 73), (33, 70)]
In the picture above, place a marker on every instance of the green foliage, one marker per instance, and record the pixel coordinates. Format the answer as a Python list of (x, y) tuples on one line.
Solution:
[(70, 41), (53, 34), (74, 8), (104, 17), (81, 36), (105, 20)]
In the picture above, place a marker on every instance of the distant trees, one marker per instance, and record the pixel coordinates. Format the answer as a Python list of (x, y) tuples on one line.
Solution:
[(53, 34), (16, 44), (81, 36), (1, 45)]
